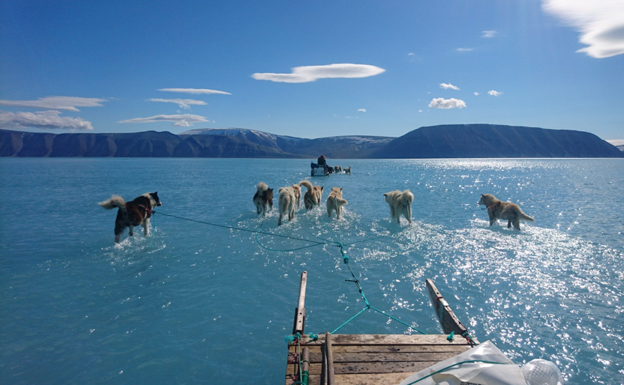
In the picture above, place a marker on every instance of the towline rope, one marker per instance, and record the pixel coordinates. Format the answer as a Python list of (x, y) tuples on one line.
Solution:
[(316, 243)]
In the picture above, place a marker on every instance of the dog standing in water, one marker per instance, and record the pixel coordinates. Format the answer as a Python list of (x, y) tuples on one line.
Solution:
[(263, 198), (508, 211), (134, 213), (400, 204), (297, 190), (335, 202), (287, 202), (312, 196)]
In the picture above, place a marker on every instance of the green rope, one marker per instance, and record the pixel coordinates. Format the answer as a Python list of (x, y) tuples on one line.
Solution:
[(243, 229), (459, 363)]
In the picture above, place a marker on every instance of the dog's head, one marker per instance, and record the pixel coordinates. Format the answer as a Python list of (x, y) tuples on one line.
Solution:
[(486, 199), (154, 200)]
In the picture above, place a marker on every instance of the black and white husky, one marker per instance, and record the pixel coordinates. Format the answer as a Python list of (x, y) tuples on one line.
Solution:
[(134, 213), (263, 198)]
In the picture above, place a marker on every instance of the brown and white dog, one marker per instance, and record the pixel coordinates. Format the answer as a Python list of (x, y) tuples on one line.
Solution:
[(287, 202), (335, 202), (400, 204), (312, 196), (508, 211), (134, 213), (263, 199)]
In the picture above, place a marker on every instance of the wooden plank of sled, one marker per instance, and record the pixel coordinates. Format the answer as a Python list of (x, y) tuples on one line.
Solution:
[(369, 368), (299, 323), (315, 350), (388, 339), (364, 379), (386, 357), (448, 320)]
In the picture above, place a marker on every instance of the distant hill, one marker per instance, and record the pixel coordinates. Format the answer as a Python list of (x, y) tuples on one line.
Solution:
[(496, 141), (449, 141)]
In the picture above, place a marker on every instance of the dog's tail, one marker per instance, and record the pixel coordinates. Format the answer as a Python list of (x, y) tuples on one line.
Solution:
[(341, 202), (262, 187), (524, 217), (306, 184), (114, 201)]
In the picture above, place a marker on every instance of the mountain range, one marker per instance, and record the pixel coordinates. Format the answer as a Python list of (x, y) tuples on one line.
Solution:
[(445, 141)]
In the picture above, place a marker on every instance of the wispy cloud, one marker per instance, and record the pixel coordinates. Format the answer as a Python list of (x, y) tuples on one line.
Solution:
[(448, 86), (183, 120), (195, 91), (488, 34), (361, 109), (446, 104), (182, 103), (42, 119), (411, 54), (465, 49), (476, 94), (313, 73), (600, 22), (66, 103), (494, 93)]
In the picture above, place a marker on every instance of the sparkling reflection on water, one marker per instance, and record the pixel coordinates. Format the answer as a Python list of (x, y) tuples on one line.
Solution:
[(195, 303)]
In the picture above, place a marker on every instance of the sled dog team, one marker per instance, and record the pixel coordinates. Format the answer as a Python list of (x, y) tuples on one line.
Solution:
[(139, 211)]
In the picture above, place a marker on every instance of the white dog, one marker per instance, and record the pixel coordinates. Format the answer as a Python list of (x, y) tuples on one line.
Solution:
[(287, 202), (297, 190), (335, 202), (400, 204)]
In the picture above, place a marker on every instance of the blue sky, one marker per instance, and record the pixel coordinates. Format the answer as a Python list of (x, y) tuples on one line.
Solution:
[(311, 69)]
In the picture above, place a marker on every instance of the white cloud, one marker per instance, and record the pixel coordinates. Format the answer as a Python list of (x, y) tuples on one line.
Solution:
[(182, 103), (195, 91), (600, 22), (67, 103), (419, 110), (42, 119), (411, 54), (488, 34), (446, 104), (449, 86), (362, 110), (494, 93), (313, 73), (465, 49), (184, 120), (476, 94)]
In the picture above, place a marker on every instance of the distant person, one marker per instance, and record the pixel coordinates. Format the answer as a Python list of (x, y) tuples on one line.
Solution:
[(321, 161)]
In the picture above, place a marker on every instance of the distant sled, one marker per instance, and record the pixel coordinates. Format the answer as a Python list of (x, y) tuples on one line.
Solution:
[(317, 170)]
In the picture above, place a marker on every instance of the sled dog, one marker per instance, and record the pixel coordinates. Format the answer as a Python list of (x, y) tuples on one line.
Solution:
[(286, 203), (503, 210), (263, 198), (134, 213), (312, 196), (400, 204), (335, 202)]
